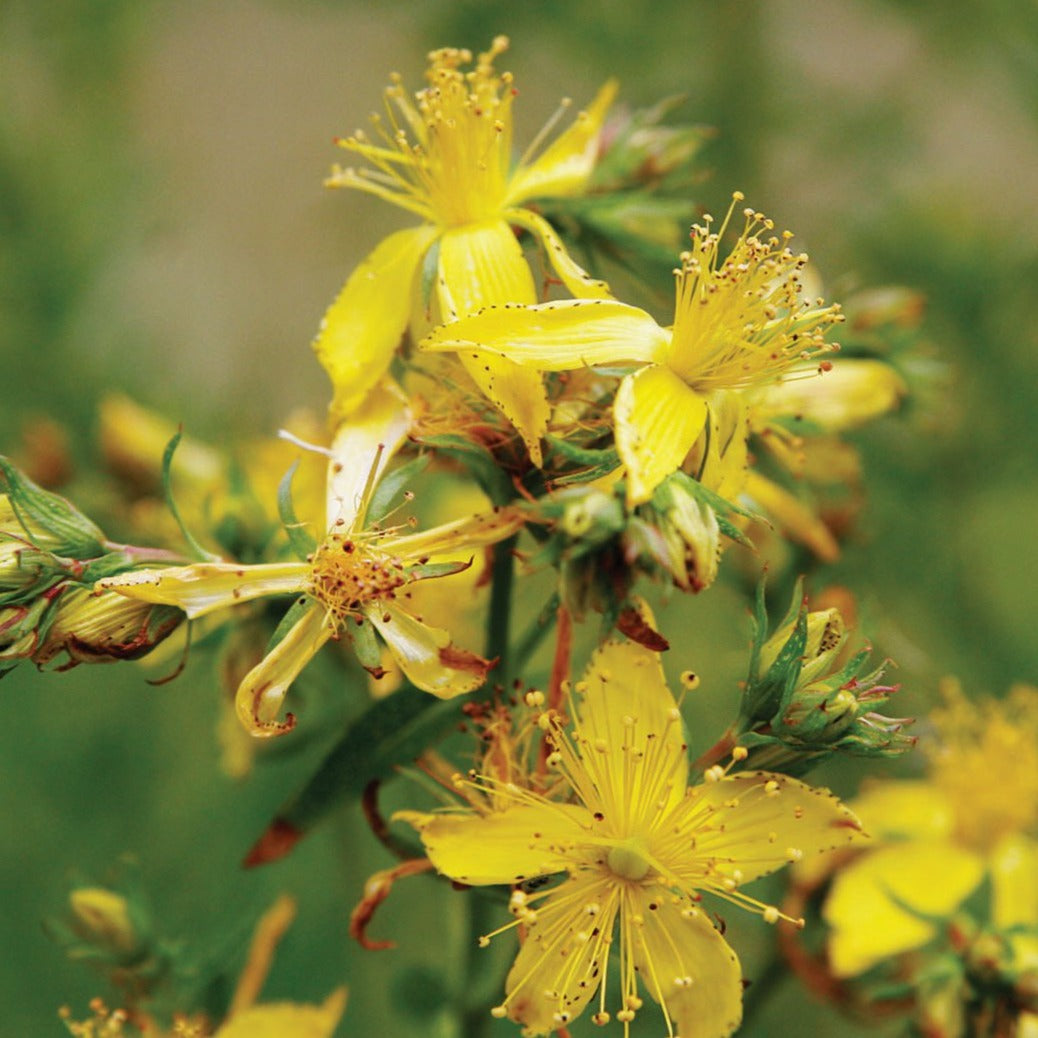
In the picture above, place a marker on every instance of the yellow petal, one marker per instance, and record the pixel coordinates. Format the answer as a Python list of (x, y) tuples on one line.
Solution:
[(482, 264), (375, 431), (578, 281), (854, 392), (205, 586), (287, 1020), (1014, 869), (905, 810), (686, 965), (557, 336), (363, 327), (720, 459), (460, 535), (425, 654), (658, 418), (563, 168), (508, 846), (930, 876), (626, 709), (795, 518), (748, 825), (262, 691), (563, 960)]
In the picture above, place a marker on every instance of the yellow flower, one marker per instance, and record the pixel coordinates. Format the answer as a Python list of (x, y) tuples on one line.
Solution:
[(638, 845), (739, 323), (354, 583), (446, 155), (976, 815)]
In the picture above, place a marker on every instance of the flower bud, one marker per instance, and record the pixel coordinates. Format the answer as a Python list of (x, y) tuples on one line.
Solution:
[(102, 919)]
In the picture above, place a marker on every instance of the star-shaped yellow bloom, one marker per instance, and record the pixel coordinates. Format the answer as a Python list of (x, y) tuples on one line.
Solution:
[(445, 154), (975, 816), (638, 846), (354, 584), (739, 323)]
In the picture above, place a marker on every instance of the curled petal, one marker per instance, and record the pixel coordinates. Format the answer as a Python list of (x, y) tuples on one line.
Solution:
[(200, 588), (658, 419), (686, 965), (563, 168), (262, 691), (363, 327), (425, 654), (519, 843), (877, 905)]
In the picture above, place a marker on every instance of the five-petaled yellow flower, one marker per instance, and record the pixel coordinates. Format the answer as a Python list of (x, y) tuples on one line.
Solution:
[(638, 845), (446, 155), (739, 324), (976, 816), (355, 583)]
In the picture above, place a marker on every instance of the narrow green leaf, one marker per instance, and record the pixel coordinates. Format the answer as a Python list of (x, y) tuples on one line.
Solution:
[(302, 542), (167, 486)]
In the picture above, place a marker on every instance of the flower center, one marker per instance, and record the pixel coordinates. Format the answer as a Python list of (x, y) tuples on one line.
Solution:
[(344, 574), (630, 859), (745, 320)]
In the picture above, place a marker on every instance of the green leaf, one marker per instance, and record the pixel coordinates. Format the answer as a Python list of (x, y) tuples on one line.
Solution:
[(492, 479), (167, 486), (392, 485), (302, 542)]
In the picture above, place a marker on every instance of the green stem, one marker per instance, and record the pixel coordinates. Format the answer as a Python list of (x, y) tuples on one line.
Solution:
[(764, 987), (475, 1014), (502, 574)]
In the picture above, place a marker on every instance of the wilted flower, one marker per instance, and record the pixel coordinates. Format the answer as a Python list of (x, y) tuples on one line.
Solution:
[(353, 583), (638, 844)]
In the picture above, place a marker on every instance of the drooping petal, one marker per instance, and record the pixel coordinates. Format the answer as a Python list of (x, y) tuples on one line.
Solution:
[(686, 965), (795, 518), (720, 458), (563, 168), (747, 825), (460, 535), (630, 734), (481, 264), (657, 418), (425, 654), (519, 843), (578, 281), (262, 691), (205, 586), (287, 1020), (557, 336), (854, 392), (905, 810), (374, 432), (362, 328), (864, 906), (562, 962)]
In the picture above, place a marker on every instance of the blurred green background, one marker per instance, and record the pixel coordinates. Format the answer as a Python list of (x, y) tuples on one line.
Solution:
[(163, 231)]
